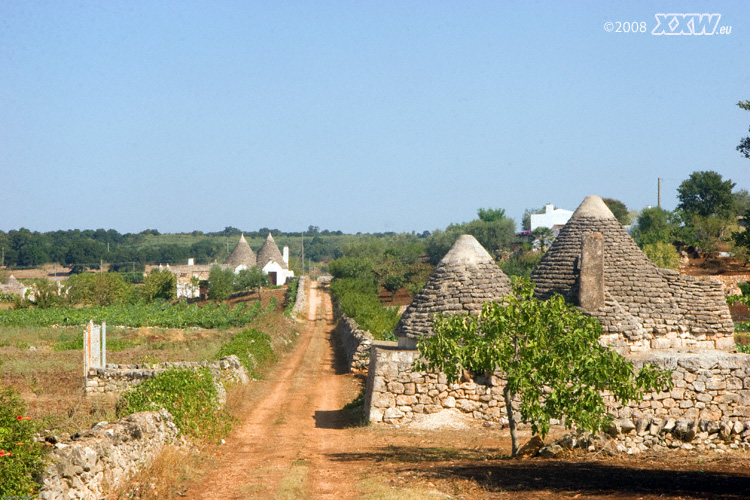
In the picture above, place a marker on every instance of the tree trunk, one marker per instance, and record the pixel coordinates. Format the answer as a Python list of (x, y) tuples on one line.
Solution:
[(511, 420)]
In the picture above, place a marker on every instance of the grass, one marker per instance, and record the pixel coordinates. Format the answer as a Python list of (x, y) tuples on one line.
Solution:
[(293, 484), (166, 475)]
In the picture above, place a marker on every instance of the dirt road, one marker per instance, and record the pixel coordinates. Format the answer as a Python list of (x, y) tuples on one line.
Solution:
[(283, 448), (295, 444)]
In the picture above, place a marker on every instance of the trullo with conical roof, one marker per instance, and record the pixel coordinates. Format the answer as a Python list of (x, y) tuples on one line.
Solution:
[(640, 306), (270, 252), (242, 257), (462, 281)]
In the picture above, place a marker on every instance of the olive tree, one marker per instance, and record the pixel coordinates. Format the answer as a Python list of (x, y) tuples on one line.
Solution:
[(549, 354)]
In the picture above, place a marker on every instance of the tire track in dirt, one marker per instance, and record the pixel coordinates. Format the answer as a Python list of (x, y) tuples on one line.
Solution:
[(284, 443)]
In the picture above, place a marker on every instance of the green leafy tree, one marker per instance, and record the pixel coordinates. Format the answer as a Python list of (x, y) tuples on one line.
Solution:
[(160, 284), (741, 201), (744, 146), (550, 356), (491, 214), (251, 279), (495, 235), (654, 225), (618, 209), (705, 194), (220, 283)]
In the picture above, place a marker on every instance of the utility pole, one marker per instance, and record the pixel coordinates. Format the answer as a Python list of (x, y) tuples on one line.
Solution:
[(658, 199), (302, 235)]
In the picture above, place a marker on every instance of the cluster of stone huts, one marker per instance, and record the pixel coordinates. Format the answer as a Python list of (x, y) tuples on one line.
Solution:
[(647, 314), (269, 259)]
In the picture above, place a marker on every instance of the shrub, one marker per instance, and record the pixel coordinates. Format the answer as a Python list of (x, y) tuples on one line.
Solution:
[(189, 395), (253, 348), (357, 299), (662, 254), (100, 289), (521, 264), (21, 459)]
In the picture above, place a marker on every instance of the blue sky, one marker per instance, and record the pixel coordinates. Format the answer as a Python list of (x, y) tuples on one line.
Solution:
[(358, 116)]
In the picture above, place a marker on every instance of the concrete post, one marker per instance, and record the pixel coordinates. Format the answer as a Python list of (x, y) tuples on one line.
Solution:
[(591, 279)]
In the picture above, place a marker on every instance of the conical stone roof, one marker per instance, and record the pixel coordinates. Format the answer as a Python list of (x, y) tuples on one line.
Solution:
[(642, 302), (242, 255), (270, 252), (462, 281)]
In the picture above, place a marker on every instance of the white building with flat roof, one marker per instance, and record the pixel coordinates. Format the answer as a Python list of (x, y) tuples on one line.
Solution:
[(551, 217)]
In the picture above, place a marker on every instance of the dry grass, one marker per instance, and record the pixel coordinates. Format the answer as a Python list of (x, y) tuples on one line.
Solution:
[(293, 484), (166, 476)]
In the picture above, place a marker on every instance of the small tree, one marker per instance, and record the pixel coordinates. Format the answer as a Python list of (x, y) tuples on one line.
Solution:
[(220, 283), (251, 279), (550, 356), (160, 284), (655, 225)]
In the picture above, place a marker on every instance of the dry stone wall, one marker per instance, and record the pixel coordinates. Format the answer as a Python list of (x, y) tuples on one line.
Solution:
[(708, 408), (730, 282), (396, 394), (88, 465), (115, 379), (300, 302), (355, 341)]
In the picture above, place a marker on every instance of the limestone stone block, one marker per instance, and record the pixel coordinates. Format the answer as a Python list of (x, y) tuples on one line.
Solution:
[(403, 400), (716, 383), (392, 413)]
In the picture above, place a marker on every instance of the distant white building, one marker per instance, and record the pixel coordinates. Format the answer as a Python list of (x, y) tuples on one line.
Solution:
[(552, 218)]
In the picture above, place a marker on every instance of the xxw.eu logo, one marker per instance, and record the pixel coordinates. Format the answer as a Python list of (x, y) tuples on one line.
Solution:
[(689, 24)]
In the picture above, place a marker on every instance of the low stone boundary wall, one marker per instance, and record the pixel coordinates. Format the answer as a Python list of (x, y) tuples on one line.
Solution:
[(729, 282), (117, 378), (91, 463), (710, 400), (300, 302), (395, 393), (356, 343)]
